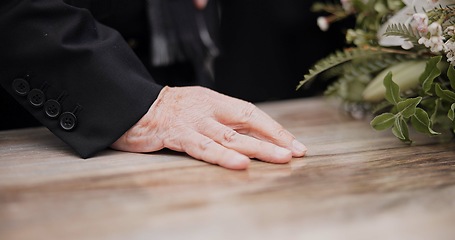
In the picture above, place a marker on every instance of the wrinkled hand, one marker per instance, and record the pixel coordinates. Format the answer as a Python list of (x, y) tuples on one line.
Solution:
[(211, 127)]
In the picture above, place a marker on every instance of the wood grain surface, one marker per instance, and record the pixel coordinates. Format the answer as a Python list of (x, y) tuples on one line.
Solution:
[(354, 183)]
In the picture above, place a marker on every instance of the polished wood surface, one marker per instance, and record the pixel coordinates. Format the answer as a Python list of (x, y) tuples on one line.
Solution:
[(354, 183)]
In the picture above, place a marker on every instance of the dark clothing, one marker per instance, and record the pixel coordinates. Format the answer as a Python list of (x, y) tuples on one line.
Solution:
[(53, 51), (95, 59)]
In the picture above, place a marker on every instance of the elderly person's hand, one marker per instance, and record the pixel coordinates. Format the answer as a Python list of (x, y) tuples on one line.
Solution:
[(211, 127)]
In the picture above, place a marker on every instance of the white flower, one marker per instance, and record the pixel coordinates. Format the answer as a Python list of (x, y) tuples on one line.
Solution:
[(450, 30), (407, 45), (405, 16), (436, 41), (435, 29), (436, 44), (323, 23), (450, 51), (420, 22), (422, 40)]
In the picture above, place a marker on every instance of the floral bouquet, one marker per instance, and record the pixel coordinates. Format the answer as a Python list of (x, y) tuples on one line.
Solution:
[(399, 63)]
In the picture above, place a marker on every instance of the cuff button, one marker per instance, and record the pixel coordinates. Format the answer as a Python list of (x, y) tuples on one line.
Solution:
[(52, 108), (21, 86), (68, 121), (36, 97)]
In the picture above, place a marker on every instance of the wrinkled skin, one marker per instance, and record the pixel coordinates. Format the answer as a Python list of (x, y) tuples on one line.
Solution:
[(212, 127)]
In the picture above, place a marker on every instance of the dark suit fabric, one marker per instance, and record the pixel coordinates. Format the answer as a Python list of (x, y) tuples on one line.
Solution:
[(89, 68)]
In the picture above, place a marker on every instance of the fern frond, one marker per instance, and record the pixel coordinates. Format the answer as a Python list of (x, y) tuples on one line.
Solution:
[(404, 31), (356, 75), (372, 66), (337, 58)]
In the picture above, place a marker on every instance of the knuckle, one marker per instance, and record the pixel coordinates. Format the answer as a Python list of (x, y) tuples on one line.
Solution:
[(205, 144), (204, 151), (248, 112), (229, 136), (280, 135), (282, 132)]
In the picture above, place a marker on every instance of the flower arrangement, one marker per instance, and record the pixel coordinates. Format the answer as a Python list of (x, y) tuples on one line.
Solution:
[(398, 63)]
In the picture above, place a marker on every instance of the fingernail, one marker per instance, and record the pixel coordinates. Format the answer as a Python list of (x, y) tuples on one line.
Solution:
[(282, 152), (298, 148)]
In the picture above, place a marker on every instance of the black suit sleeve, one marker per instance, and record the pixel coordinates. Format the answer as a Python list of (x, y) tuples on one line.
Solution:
[(77, 77)]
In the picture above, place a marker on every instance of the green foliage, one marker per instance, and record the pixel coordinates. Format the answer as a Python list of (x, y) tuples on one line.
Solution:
[(435, 109), (404, 31), (421, 108), (424, 101), (431, 72), (400, 130), (392, 90), (445, 95), (406, 109), (354, 71), (451, 76), (337, 58), (421, 122), (451, 114), (383, 121)]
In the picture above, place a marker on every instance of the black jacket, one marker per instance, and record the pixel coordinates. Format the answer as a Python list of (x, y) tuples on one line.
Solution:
[(76, 76)]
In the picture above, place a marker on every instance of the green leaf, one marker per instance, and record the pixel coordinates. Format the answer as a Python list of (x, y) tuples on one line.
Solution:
[(430, 73), (421, 122), (400, 130), (451, 114), (444, 94), (405, 74), (437, 105), (383, 121), (337, 58), (404, 31), (451, 75), (392, 90), (407, 107)]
